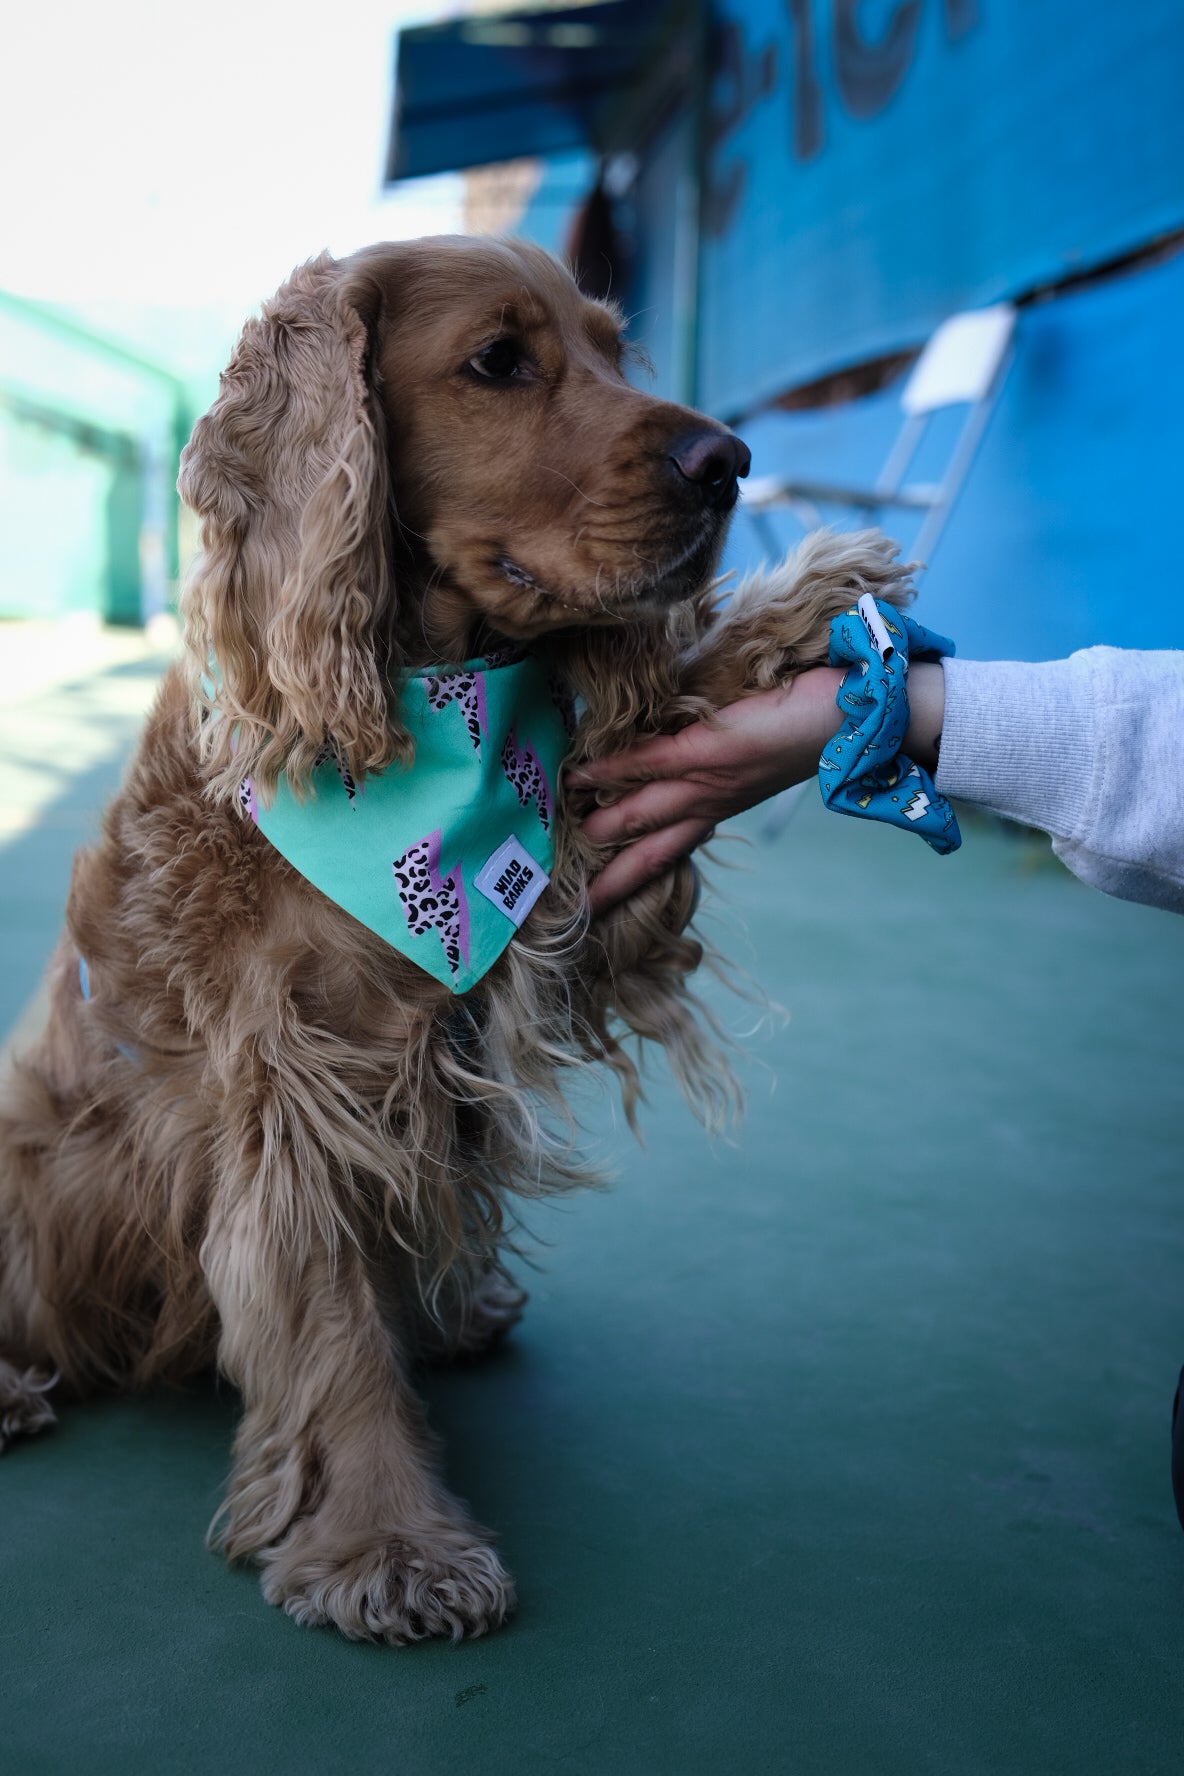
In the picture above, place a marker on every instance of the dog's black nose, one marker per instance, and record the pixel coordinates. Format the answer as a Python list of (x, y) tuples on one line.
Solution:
[(713, 462)]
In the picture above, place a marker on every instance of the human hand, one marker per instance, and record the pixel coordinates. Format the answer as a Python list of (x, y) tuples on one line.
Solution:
[(678, 787)]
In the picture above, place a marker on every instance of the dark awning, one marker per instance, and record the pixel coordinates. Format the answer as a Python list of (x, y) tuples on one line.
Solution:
[(501, 86)]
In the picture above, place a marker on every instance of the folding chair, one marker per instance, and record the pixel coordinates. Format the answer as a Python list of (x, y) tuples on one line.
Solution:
[(964, 363)]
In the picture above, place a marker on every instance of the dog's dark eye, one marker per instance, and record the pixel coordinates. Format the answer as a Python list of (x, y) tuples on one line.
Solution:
[(503, 361)]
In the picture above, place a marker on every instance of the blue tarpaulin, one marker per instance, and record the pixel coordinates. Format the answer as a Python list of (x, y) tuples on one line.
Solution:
[(1063, 536), (863, 185), (500, 86)]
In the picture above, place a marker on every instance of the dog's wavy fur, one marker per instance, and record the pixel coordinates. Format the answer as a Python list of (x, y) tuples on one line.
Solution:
[(267, 1141)]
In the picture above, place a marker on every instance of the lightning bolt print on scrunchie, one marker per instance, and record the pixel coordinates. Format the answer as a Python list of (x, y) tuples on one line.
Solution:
[(862, 770)]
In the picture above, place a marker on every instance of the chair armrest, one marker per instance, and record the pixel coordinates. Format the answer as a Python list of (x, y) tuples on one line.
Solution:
[(771, 490)]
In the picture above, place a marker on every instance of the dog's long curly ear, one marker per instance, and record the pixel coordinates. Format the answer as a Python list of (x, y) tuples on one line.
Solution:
[(292, 594)]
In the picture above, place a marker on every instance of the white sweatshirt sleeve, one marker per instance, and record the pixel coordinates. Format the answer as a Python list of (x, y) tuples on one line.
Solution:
[(1090, 749)]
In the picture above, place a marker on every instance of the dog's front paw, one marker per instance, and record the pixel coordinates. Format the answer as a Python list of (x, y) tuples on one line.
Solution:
[(24, 1403), (473, 1315), (397, 1590), (493, 1309)]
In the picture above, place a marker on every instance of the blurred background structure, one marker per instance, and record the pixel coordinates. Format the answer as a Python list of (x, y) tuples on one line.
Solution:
[(786, 196), (162, 180), (90, 436)]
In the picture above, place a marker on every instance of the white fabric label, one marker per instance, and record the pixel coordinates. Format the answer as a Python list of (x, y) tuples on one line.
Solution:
[(512, 880), (873, 622)]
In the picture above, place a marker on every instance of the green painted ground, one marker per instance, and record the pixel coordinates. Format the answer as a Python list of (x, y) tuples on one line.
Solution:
[(844, 1449)]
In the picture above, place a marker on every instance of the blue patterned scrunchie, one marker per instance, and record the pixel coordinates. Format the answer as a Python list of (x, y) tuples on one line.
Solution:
[(862, 771)]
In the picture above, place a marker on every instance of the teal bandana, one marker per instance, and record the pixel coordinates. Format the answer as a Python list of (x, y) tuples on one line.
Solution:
[(862, 770), (445, 858)]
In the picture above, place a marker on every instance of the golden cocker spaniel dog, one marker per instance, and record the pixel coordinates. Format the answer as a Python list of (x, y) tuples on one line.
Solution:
[(255, 1134)]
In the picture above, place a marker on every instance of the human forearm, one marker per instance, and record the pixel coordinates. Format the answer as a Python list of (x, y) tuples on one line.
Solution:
[(922, 742), (1090, 749)]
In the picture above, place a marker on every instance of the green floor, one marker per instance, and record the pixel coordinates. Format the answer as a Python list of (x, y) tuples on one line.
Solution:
[(841, 1449)]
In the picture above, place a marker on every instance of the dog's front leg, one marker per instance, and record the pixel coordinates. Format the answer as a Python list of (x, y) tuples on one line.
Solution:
[(777, 622), (333, 1491)]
